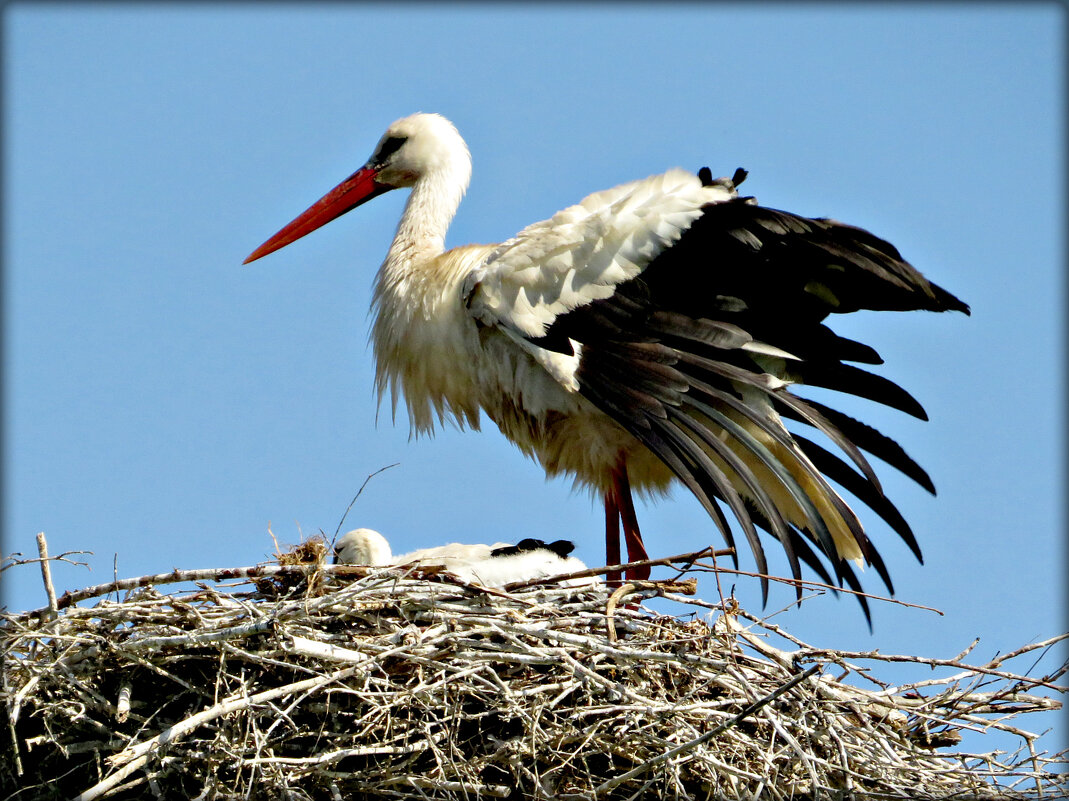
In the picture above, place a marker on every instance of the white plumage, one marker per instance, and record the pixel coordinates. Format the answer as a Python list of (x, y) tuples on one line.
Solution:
[(650, 333), (490, 565), (583, 252)]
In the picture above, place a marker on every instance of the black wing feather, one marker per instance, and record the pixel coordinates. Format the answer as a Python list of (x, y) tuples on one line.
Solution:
[(815, 522), (841, 473), (776, 524), (869, 439)]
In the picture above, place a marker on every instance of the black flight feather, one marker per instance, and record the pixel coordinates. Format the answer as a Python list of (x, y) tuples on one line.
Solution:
[(853, 482), (869, 439)]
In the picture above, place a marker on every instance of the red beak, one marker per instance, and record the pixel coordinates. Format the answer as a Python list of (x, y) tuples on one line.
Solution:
[(358, 188)]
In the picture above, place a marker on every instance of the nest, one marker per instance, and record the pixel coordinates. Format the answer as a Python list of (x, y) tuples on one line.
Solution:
[(307, 681)]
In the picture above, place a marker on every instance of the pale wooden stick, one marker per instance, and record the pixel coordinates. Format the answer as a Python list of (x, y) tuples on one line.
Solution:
[(597, 571), (46, 574), (335, 756), (302, 646), (208, 574), (819, 585), (11, 716), (467, 788), (122, 708), (954, 663)]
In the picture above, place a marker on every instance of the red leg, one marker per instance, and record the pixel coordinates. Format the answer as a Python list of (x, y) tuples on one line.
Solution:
[(612, 534), (636, 551)]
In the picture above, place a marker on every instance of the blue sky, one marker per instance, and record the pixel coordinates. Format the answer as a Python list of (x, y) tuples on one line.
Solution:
[(166, 404)]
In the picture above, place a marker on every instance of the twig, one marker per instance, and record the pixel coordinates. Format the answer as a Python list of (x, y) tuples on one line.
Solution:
[(13, 560), (11, 718), (598, 571), (122, 707), (358, 493), (209, 574), (662, 588), (820, 585), (954, 663), (46, 574), (610, 608)]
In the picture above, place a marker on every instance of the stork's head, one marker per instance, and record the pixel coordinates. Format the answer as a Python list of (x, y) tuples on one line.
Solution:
[(362, 546), (413, 148), (422, 144)]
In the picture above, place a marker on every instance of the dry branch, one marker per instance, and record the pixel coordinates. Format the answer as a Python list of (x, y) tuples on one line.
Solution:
[(46, 574)]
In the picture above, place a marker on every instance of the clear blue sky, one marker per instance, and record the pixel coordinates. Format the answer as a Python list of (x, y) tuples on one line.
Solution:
[(166, 404)]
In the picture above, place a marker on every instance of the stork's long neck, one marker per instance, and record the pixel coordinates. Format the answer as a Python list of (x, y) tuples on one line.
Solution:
[(420, 236), (419, 323)]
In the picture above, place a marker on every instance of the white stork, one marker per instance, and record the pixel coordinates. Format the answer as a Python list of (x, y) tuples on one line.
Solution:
[(652, 332), (490, 565)]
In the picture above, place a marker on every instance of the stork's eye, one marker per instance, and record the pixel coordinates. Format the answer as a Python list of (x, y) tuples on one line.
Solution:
[(388, 147)]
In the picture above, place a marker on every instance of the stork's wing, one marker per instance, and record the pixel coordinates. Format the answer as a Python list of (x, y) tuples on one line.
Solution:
[(685, 313), (584, 252)]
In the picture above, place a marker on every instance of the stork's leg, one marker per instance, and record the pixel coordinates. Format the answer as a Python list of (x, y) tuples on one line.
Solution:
[(636, 551), (612, 534)]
